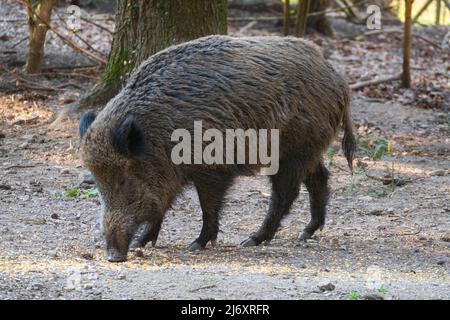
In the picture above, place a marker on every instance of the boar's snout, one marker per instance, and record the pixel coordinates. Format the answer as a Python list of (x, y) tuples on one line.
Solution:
[(117, 243), (117, 253), (115, 256)]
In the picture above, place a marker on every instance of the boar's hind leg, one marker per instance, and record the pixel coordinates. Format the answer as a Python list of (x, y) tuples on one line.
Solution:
[(317, 185), (211, 191), (285, 189)]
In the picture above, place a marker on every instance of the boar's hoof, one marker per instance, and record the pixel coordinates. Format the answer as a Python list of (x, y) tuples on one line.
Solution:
[(194, 246), (250, 242), (305, 236), (135, 244)]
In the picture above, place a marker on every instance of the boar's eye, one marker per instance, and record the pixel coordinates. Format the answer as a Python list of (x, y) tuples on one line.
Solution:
[(128, 138)]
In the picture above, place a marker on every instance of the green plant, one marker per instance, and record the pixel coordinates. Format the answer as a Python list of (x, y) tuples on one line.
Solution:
[(373, 146), (382, 289), (352, 188), (76, 192), (388, 188), (89, 193), (382, 191), (353, 295), (330, 155), (72, 193), (210, 280)]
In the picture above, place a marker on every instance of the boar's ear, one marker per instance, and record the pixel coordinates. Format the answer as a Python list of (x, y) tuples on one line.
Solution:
[(85, 122), (128, 138)]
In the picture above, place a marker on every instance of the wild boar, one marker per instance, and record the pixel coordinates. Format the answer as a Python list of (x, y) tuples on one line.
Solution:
[(281, 83)]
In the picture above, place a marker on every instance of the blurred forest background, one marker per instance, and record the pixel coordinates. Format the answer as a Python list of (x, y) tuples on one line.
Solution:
[(388, 231)]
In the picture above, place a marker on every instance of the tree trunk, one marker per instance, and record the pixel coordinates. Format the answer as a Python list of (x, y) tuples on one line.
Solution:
[(302, 17), (38, 30), (406, 75), (320, 22), (438, 12), (144, 27), (287, 17)]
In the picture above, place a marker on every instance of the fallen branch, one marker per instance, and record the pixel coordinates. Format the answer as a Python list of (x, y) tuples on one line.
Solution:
[(19, 166), (22, 82), (19, 42), (383, 31), (362, 84), (255, 18), (434, 44), (69, 67), (67, 74)]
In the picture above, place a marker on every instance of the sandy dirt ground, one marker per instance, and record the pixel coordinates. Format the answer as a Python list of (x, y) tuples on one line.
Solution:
[(379, 242)]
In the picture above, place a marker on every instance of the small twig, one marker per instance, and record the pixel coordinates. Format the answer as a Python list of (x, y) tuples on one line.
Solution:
[(232, 19), (362, 84), (411, 233), (349, 12), (97, 25), (67, 74), (248, 26), (19, 42), (431, 42), (62, 86), (75, 47), (19, 166), (13, 20), (20, 82), (204, 287), (75, 33), (25, 121), (340, 168), (377, 100), (68, 67)]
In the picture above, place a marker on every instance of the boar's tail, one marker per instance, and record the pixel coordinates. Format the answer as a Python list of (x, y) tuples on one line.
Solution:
[(348, 141)]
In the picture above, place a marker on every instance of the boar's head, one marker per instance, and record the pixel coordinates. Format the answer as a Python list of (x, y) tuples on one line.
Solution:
[(115, 151)]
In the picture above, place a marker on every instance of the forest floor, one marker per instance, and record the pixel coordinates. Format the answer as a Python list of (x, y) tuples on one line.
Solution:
[(380, 241)]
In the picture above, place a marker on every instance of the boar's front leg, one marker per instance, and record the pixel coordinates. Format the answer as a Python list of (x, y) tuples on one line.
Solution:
[(211, 189), (285, 189), (149, 233)]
